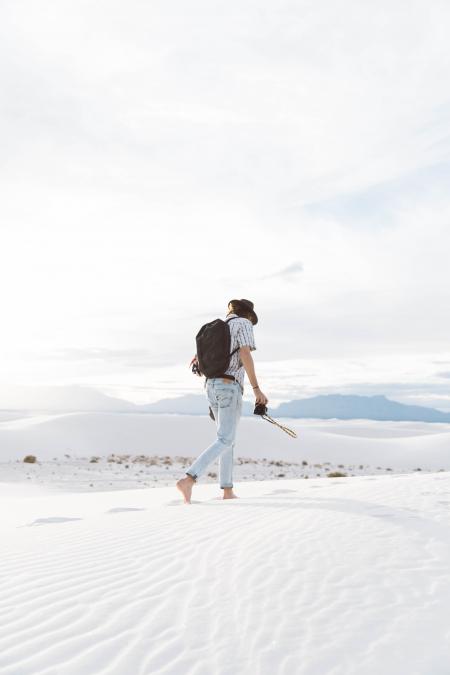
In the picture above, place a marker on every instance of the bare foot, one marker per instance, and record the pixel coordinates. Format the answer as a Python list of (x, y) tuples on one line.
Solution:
[(229, 494), (184, 485)]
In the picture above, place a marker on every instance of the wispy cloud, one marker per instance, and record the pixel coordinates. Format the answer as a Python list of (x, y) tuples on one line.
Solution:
[(131, 358), (289, 273)]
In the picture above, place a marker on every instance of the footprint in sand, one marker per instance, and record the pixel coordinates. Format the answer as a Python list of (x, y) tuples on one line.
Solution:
[(284, 490), (122, 509), (278, 492), (382, 515), (49, 521)]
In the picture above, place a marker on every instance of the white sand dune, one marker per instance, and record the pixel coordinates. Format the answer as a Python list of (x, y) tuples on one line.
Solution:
[(393, 444), (319, 577)]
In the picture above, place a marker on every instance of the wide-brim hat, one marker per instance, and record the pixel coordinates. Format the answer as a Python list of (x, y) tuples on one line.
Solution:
[(248, 305)]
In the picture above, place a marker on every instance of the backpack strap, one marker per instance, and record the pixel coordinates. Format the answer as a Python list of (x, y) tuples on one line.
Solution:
[(231, 319)]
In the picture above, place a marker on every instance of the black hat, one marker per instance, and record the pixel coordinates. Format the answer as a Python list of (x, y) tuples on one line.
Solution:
[(247, 304)]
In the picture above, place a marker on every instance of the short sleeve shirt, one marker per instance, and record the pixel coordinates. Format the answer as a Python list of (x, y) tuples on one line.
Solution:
[(241, 331)]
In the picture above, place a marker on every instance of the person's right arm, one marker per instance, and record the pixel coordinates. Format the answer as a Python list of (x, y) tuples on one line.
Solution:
[(247, 362)]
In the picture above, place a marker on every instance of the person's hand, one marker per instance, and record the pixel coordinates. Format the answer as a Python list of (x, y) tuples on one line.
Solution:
[(195, 367), (260, 397)]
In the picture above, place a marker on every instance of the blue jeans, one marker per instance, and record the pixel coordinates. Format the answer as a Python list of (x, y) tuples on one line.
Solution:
[(225, 398)]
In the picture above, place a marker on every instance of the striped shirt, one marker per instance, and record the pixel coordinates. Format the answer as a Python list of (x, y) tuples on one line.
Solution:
[(241, 331)]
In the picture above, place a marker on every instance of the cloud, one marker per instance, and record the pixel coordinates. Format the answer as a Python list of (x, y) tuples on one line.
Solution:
[(377, 206), (289, 273), (132, 358)]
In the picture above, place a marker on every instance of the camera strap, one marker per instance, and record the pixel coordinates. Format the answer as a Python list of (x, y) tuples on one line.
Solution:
[(289, 432)]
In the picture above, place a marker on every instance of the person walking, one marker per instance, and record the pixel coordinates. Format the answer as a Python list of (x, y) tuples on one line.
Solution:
[(224, 396)]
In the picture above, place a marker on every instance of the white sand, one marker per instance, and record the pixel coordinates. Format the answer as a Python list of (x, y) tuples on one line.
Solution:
[(406, 445), (320, 577), (128, 449)]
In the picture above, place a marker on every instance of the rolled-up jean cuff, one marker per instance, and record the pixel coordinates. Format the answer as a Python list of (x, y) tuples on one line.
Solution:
[(194, 477), (226, 487)]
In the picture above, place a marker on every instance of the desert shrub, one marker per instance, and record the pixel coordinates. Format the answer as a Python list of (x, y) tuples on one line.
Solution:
[(94, 460), (182, 460), (281, 475), (30, 459), (211, 474), (336, 474), (305, 463)]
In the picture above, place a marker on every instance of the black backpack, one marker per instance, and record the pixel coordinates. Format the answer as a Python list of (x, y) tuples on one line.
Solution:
[(213, 347)]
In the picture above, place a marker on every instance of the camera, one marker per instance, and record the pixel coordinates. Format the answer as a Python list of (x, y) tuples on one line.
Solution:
[(260, 409)]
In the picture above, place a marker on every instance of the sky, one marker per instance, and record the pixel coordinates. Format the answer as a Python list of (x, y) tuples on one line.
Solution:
[(159, 159)]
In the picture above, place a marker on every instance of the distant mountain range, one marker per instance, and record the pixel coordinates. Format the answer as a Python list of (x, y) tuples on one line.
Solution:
[(346, 407), (330, 406)]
